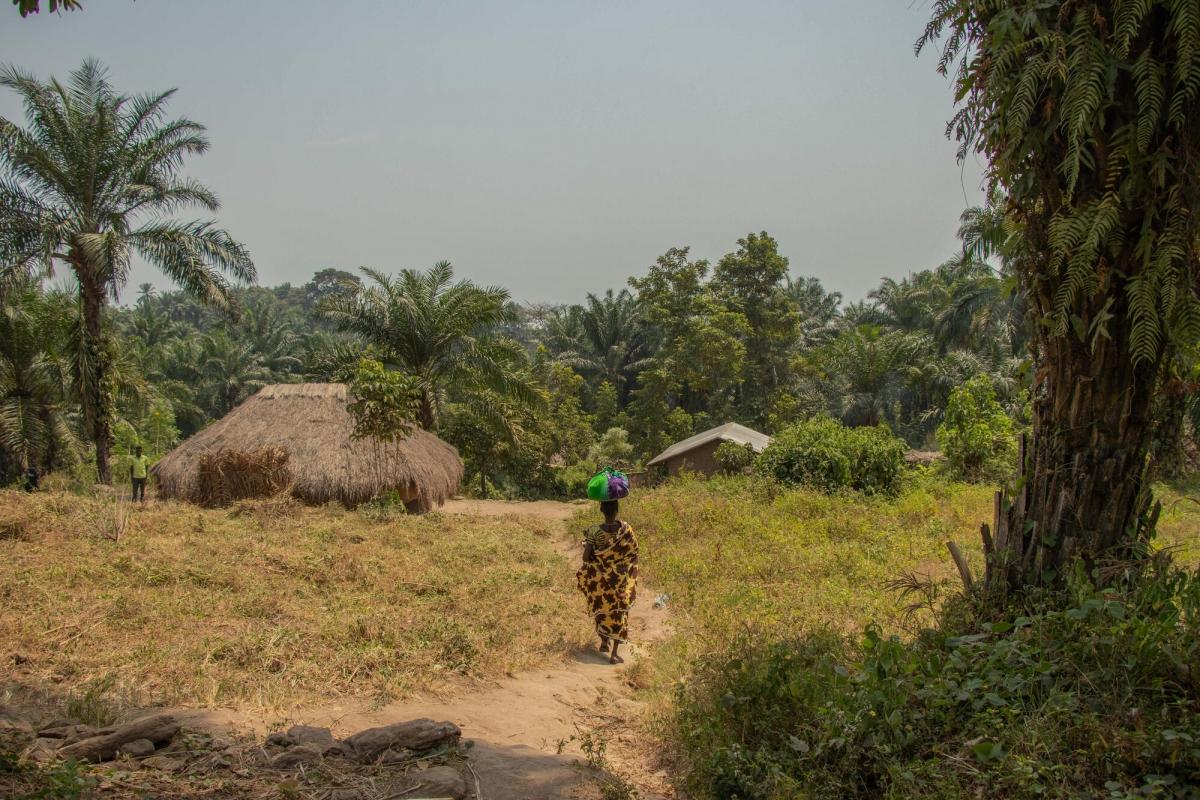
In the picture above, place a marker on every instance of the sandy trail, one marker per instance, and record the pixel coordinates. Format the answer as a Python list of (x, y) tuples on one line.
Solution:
[(518, 723)]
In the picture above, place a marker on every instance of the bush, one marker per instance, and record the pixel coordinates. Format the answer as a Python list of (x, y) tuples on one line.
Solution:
[(733, 458), (1089, 695), (573, 480), (612, 450), (824, 453), (978, 438)]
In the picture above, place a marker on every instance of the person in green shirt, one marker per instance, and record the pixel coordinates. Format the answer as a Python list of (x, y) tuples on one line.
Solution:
[(138, 470)]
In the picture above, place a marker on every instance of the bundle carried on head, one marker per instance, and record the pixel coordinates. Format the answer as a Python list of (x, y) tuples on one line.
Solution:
[(608, 484)]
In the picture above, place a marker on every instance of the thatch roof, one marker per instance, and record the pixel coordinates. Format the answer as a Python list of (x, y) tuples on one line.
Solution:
[(312, 423), (729, 432)]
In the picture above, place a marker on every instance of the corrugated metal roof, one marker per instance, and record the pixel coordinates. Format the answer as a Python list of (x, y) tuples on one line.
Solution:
[(729, 432)]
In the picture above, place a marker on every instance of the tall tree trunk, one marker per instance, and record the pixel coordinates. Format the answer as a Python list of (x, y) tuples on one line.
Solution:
[(1083, 487), (94, 371), (425, 410)]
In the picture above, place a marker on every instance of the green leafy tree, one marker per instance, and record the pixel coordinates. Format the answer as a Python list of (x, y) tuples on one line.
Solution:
[(818, 309), (978, 438), (88, 183), (751, 282), (441, 332), (383, 403), (159, 433), (1086, 114), (700, 350), (870, 364), (611, 450), (327, 283), (27, 7), (607, 411)]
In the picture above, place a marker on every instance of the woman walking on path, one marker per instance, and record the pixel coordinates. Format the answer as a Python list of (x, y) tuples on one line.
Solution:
[(608, 577)]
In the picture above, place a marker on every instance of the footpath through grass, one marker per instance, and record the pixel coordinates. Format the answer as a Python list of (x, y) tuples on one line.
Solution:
[(270, 604)]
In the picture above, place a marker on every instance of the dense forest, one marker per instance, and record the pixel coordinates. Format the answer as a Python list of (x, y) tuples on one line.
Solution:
[(526, 390)]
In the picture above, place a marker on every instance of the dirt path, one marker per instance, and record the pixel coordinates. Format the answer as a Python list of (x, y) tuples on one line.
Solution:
[(522, 726)]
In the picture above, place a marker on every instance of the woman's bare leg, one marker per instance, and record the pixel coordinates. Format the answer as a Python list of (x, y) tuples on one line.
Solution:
[(603, 644), (614, 658)]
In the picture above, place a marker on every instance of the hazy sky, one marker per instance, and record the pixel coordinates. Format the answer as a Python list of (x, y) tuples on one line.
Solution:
[(551, 147)]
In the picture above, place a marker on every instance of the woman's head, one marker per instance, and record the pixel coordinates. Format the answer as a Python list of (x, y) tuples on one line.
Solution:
[(609, 509)]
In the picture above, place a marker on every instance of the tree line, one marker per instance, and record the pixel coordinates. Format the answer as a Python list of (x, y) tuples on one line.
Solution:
[(1073, 295)]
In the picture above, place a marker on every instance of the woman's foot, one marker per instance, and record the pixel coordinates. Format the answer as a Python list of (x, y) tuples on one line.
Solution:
[(616, 659)]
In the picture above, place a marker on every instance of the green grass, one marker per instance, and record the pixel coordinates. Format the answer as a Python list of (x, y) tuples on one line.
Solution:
[(733, 552), (271, 604), (794, 670)]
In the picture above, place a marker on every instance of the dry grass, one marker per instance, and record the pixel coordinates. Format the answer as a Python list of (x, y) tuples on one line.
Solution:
[(226, 476), (270, 603)]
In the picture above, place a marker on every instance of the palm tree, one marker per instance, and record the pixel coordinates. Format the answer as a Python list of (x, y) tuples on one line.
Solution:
[(232, 370), (613, 344), (272, 338), (88, 183), (438, 330), (34, 384), (871, 364), (818, 309)]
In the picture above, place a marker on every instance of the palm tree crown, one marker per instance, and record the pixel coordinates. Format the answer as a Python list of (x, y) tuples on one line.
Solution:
[(90, 182), (440, 331)]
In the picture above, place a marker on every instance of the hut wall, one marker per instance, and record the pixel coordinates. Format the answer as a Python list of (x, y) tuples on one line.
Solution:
[(701, 459)]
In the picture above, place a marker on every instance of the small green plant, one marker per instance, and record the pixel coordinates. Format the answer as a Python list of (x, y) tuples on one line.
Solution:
[(67, 780), (384, 507), (93, 705), (978, 438), (384, 402), (733, 458), (825, 454), (594, 746)]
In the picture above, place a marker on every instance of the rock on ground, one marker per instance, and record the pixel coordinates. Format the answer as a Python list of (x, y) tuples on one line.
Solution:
[(438, 782), (296, 756), (137, 748), (418, 734)]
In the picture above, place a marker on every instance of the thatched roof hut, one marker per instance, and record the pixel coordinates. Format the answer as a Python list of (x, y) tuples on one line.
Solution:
[(303, 431)]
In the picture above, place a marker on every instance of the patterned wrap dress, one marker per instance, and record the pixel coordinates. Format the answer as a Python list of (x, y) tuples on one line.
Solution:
[(609, 580)]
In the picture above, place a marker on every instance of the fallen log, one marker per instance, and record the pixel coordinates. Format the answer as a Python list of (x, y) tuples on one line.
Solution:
[(158, 728), (418, 734)]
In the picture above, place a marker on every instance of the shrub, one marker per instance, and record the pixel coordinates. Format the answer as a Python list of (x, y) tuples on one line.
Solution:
[(976, 435), (573, 480), (1092, 696), (824, 453), (612, 450), (733, 458)]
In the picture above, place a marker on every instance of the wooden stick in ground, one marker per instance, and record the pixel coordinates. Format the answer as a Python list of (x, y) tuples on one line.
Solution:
[(963, 570)]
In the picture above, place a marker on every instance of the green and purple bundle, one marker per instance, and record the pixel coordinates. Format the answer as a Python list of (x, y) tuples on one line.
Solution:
[(608, 484)]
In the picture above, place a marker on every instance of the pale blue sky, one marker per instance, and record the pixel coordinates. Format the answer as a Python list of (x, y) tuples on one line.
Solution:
[(550, 147)]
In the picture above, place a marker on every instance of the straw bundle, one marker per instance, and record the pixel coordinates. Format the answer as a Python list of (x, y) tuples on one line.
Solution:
[(311, 425), (223, 476)]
